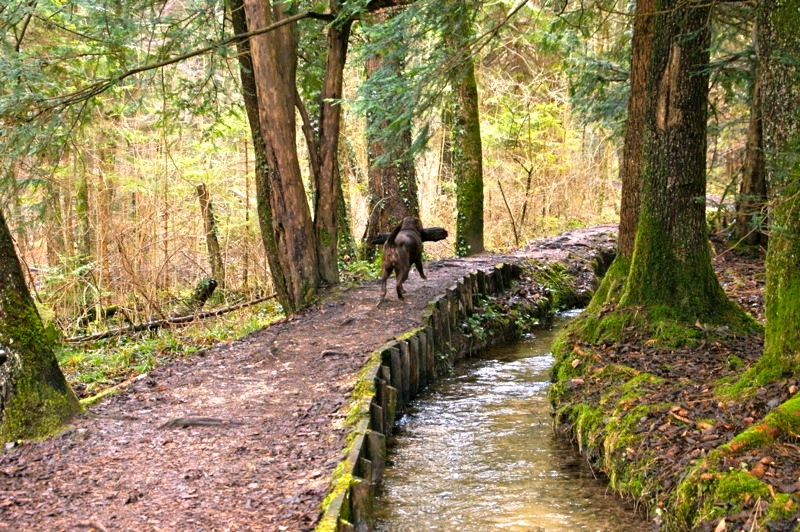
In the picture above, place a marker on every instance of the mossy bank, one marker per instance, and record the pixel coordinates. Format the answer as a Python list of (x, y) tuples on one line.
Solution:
[(680, 420)]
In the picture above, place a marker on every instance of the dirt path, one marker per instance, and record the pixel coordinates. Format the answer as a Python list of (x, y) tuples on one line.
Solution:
[(232, 438)]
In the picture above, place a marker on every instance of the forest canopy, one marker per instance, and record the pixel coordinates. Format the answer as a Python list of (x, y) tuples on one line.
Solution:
[(113, 113)]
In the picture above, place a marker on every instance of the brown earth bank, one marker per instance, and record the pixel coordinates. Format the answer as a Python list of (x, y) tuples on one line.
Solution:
[(656, 420), (245, 435)]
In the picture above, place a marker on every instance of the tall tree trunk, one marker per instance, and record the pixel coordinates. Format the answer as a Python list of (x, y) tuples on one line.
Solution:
[(751, 202), (392, 178), (779, 75), (671, 272), (468, 165), (274, 56), (212, 242), (630, 170), (261, 168), (631, 163), (34, 396), (329, 185)]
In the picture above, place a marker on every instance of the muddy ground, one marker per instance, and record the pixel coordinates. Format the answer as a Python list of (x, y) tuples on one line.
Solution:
[(245, 435)]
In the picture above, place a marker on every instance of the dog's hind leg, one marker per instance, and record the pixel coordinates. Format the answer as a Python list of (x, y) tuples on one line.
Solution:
[(418, 264), (402, 276)]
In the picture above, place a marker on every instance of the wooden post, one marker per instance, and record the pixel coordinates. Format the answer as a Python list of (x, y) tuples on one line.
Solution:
[(413, 353), (397, 377), (405, 364)]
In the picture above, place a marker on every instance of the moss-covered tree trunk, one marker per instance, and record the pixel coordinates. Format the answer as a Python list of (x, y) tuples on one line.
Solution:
[(468, 164), (631, 164), (630, 170), (671, 267), (778, 46), (34, 396)]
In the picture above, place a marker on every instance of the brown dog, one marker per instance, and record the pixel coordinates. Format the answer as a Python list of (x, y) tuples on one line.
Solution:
[(402, 249)]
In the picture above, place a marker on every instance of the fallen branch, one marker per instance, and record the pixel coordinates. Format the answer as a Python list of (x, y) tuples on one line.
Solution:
[(157, 324), (429, 234), (184, 422)]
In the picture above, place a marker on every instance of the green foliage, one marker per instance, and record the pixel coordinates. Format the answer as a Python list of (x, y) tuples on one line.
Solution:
[(595, 40), (55, 61), (422, 50), (358, 271)]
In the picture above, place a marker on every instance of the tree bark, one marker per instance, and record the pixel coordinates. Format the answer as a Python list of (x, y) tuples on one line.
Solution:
[(85, 239), (671, 272), (779, 75), (34, 396), (329, 184), (274, 56), (468, 165), (631, 163), (261, 168), (751, 202), (212, 243)]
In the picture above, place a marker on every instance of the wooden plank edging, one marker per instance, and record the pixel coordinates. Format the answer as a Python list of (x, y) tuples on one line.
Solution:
[(410, 361)]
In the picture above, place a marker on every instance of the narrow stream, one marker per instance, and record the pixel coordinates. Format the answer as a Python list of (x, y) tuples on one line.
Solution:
[(477, 453)]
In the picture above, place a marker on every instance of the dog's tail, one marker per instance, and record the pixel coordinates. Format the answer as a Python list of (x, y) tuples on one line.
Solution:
[(393, 235)]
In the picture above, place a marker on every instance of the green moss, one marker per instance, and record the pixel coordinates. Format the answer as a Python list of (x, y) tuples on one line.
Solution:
[(708, 495), (737, 486), (40, 399), (783, 507), (610, 289), (762, 373), (782, 421), (587, 422), (36, 409), (638, 385), (341, 483), (735, 363)]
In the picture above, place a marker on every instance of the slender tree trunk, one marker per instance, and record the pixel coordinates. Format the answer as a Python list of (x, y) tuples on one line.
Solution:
[(671, 268), (630, 171), (468, 165), (274, 57), (751, 202), (56, 246), (34, 396), (85, 238), (329, 184), (212, 242), (779, 75)]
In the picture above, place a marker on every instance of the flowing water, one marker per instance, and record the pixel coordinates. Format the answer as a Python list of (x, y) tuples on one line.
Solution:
[(477, 453)]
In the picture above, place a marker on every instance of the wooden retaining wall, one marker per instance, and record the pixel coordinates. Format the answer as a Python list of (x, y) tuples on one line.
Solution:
[(392, 377)]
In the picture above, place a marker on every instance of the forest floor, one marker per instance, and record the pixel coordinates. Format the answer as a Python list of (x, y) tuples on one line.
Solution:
[(245, 435)]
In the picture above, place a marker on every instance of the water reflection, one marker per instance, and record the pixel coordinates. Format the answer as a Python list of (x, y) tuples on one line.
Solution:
[(477, 453)]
